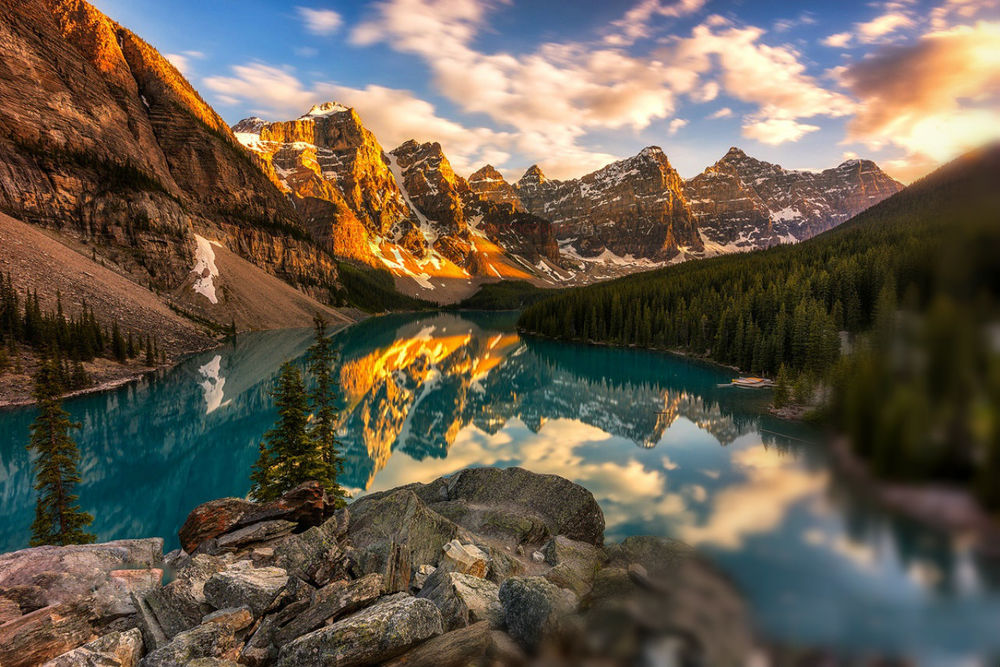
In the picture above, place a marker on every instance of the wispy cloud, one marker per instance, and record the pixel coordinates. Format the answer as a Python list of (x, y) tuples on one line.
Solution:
[(322, 22), (934, 99)]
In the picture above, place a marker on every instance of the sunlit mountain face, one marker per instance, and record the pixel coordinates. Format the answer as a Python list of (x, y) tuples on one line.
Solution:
[(664, 444)]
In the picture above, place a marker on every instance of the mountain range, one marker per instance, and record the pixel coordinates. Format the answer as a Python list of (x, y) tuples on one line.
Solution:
[(407, 210), (109, 149)]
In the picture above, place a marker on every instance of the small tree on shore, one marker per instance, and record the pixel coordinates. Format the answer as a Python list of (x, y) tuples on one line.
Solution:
[(324, 397), (58, 518), (303, 444), (288, 456)]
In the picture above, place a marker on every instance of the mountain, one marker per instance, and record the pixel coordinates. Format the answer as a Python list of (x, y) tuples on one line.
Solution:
[(405, 210), (634, 208), (741, 203), (104, 143)]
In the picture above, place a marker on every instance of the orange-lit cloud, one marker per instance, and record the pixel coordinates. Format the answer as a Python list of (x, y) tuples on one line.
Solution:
[(934, 99)]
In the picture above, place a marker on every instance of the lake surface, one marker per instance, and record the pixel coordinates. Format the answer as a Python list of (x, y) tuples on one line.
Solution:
[(664, 448)]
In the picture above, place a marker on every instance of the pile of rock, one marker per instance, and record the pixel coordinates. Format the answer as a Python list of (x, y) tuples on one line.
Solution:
[(485, 567)]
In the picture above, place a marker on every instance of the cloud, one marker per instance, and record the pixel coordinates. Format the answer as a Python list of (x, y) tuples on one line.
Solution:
[(179, 61), (394, 115), (934, 99), (675, 125), (552, 97), (942, 15), (773, 78), (883, 25), (635, 24), (776, 131), (182, 61), (724, 112), (322, 22), (838, 40)]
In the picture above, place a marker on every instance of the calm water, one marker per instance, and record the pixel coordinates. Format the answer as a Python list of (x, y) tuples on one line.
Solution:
[(662, 446)]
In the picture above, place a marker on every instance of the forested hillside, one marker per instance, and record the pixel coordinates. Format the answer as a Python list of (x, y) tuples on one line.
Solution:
[(914, 282)]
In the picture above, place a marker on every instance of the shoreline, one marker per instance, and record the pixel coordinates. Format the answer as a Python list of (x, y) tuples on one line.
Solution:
[(115, 383), (951, 509)]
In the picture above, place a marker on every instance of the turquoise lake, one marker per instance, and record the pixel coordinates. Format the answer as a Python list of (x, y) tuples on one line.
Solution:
[(665, 447)]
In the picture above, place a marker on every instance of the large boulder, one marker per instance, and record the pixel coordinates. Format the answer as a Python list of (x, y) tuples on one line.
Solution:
[(516, 504), (211, 640), (459, 648), (315, 555), (48, 632), (463, 599), (181, 604), (331, 602), (212, 519), (574, 564), (534, 609), (305, 505), (48, 575), (242, 584), (376, 634), (118, 649), (396, 531)]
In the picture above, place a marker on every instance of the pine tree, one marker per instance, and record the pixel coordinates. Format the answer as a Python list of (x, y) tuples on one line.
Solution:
[(58, 519), (288, 456), (150, 353), (324, 398)]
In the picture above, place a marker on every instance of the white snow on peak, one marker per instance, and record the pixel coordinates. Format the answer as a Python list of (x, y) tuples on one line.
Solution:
[(787, 213), (326, 109), (250, 139), (205, 269)]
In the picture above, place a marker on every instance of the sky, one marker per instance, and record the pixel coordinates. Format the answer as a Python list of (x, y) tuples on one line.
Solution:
[(572, 85)]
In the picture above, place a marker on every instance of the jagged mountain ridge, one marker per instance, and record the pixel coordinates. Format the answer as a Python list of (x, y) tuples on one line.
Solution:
[(742, 203), (634, 208), (404, 209)]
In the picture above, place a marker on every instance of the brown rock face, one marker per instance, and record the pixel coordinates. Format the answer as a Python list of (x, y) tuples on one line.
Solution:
[(490, 185), (742, 203), (632, 207), (103, 138)]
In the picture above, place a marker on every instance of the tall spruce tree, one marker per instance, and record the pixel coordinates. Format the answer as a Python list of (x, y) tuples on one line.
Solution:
[(58, 518), (288, 455), (325, 398)]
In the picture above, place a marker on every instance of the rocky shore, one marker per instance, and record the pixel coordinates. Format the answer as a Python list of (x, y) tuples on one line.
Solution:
[(485, 567)]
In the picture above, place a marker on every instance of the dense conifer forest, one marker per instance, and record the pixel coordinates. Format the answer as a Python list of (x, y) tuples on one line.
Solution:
[(66, 340), (889, 322)]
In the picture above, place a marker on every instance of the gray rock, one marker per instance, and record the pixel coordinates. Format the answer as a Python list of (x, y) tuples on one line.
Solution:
[(330, 603), (212, 640), (575, 564), (383, 526), (265, 531), (564, 508), (314, 555), (381, 632), (50, 575), (463, 599), (420, 576), (464, 559), (118, 649), (180, 605), (534, 609), (234, 618), (458, 648), (212, 662), (244, 585)]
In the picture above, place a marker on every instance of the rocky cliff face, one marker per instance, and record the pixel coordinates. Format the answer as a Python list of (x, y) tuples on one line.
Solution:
[(633, 207), (103, 139), (742, 203), (405, 209), (490, 185)]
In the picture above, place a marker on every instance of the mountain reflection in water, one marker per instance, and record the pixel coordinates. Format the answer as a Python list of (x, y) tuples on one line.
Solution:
[(665, 447)]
